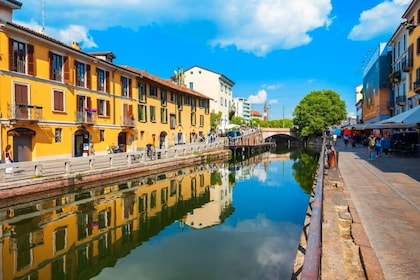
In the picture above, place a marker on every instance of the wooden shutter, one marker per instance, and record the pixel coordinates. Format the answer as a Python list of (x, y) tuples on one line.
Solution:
[(11, 56), (31, 65), (107, 82), (50, 56), (88, 77), (66, 70), (89, 102), (108, 108), (129, 88)]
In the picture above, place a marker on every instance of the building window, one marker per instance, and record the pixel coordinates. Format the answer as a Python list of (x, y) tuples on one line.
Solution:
[(163, 97), (153, 200), (125, 86), (163, 115), (179, 117), (80, 74), (191, 85), (56, 67), (18, 59), (102, 80), (57, 135), (103, 107), (153, 91), (60, 239), (172, 121), (179, 101), (173, 97), (101, 135), (152, 113), (201, 120), (142, 113), (58, 101), (193, 120), (141, 92), (221, 101)]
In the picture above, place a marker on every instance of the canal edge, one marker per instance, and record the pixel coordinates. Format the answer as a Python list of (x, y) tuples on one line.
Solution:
[(346, 252)]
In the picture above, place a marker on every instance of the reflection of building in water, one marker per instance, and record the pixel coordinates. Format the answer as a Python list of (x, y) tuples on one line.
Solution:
[(252, 167), (76, 235), (220, 205)]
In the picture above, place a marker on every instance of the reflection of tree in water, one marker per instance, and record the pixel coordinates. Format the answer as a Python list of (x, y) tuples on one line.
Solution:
[(304, 168)]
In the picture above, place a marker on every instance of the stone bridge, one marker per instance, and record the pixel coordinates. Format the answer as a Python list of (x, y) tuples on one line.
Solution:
[(268, 132)]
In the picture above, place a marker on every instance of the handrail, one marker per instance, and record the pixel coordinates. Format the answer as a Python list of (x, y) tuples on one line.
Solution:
[(312, 261)]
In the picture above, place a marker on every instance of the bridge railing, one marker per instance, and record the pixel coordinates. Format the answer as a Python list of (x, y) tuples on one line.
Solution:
[(249, 139)]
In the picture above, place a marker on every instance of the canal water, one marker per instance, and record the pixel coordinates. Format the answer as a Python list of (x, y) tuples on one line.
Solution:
[(226, 220)]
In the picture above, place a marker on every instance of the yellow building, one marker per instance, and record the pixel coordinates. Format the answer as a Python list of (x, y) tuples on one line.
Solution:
[(411, 64), (76, 235), (57, 101)]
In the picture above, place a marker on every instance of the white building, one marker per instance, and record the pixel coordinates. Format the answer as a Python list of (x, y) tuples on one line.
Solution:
[(214, 85), (242, 108)]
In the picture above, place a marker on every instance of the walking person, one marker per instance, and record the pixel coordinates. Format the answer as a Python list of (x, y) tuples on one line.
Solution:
[(8, 158), (346, 140), (378, 146), (386, 144), (371, 147)]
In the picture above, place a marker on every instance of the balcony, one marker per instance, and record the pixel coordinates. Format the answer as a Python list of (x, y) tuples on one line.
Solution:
[(416, 86), (407, 64), (400, 100), (24, 113), (86, 117), (395, 77), (128, 122)]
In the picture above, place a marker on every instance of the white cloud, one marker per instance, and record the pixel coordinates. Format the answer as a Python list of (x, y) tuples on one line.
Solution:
[(260, 98), (252, 26), (273, 86), (381, 19), (273, 101)]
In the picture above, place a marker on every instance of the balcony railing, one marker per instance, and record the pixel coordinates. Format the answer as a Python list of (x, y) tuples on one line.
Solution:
[(407, 64), (395, 77), (128, 122), (85, 117), (24, 112), (400, 100)]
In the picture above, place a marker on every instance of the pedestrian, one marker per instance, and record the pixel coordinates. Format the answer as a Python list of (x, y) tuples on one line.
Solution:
[(371, 147), (91, 150), (386, 144), (378, 146), (346, 140), (8, 157)]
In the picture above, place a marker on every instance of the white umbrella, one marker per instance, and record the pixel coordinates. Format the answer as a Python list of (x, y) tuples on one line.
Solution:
[(232, 126)]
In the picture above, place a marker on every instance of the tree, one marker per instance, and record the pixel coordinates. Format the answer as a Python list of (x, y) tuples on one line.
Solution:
[(215, 120), (317, 110)]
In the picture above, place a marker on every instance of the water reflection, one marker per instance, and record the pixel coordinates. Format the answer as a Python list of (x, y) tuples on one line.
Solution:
[(176, 225)]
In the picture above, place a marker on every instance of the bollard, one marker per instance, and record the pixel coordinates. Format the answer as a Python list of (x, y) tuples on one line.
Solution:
[(332, 159)]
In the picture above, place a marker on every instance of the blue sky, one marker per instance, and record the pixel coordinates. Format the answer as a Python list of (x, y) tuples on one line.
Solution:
[(276, 51)]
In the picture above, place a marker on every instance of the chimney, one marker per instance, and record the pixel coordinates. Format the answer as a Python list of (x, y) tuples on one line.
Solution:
[(7, 7)]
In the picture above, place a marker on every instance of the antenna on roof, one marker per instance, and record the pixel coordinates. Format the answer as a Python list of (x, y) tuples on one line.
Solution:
[(43, 16)]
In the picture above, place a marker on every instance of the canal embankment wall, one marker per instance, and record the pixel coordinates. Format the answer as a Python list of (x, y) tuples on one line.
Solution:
[(92, 174)]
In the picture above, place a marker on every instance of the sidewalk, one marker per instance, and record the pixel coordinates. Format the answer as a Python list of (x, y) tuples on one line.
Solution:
[(383, 197)]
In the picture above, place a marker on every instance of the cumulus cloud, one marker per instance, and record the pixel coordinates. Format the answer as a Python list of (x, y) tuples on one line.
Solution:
[(259, 98), (379, 20), (251, 26)]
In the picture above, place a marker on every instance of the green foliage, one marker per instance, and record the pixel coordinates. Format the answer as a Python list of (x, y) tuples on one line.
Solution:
[(238, 120), (318, 110), (215, 120), (304, 169)]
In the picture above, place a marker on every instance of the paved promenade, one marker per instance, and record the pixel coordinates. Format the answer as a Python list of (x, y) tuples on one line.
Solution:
[(383, 197)]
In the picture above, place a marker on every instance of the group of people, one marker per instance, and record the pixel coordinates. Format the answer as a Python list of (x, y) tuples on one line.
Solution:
[(378, 145)]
